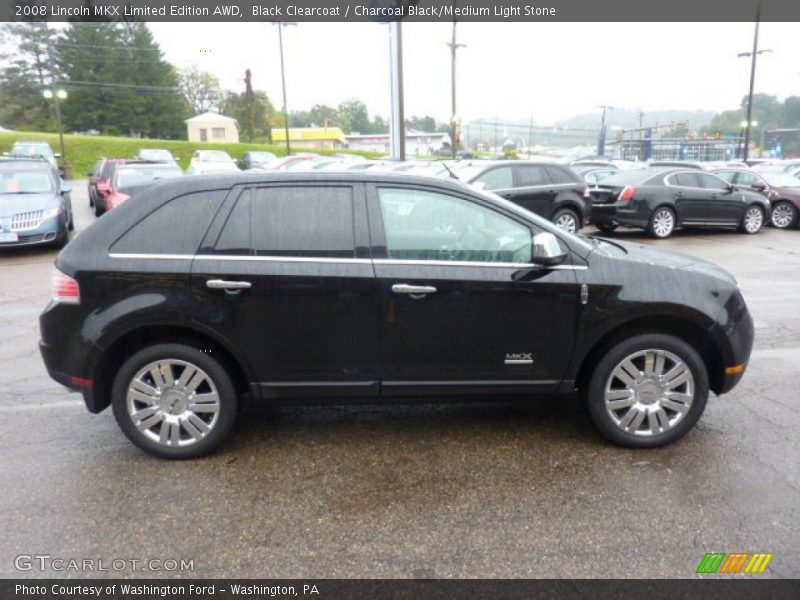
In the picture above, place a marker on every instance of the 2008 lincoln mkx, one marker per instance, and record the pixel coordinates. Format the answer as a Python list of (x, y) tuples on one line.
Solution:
[(340, 286)]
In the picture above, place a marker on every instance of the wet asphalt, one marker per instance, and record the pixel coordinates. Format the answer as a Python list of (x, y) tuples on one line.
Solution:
[(518, 489)]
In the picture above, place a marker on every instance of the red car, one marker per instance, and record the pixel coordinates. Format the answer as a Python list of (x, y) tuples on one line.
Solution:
[(781, 189), (94, 176), (127, 176)]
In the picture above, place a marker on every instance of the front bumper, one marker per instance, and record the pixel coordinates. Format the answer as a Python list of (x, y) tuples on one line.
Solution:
[(49, 231)]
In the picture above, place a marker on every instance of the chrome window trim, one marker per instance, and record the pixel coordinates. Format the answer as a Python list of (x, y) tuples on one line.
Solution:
[(358, 261)]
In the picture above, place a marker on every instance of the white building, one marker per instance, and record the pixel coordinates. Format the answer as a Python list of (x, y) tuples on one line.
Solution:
[(213, 128)]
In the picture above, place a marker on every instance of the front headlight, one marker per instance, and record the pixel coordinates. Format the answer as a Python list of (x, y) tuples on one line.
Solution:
[(50, 213)]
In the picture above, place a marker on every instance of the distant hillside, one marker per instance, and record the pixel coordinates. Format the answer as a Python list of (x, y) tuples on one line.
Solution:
[(629, 119)]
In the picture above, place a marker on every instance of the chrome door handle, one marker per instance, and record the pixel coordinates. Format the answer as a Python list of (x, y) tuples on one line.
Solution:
[(221, 284), (417, 291)]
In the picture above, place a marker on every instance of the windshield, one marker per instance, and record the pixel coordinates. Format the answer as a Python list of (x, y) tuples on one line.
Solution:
[(780, 179), (25, 182), (141, 175), (213, 156), (155, 154), (31, 150)]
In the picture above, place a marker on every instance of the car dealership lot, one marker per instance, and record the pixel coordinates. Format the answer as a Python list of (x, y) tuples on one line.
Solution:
[(484, 490)]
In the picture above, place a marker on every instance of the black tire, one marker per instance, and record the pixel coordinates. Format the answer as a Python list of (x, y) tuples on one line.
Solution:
[(71, 224), (784, 215), (753, 220), (607, 227), (604, 378), (61, 241), (662, 214), (91, 200), (214, 372), (98, 211), (567, 219)]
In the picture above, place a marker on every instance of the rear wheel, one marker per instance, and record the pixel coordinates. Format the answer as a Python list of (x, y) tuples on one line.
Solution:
[(174, 401), (647, 391), (98, 211), (662, 223), (753, 219), (784, 215), (567, 220)]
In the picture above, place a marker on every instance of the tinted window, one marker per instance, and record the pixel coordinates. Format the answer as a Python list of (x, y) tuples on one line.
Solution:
[(710, 182), (532, 175), (176, 227), (500, 178), (685, 180), (726, 175), (422, 225), (291, 221), (559, 175)]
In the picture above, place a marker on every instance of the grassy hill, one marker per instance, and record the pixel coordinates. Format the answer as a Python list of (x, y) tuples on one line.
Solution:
[(83, 150)]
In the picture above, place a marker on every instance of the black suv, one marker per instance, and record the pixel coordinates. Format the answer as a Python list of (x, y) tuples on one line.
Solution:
[(551, 190), (387, 286)]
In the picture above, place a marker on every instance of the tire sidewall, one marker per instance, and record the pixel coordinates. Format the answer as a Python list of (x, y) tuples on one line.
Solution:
[(213, 368), (595, 394), (793, 213), (744, 219), (568, 211), (652, 228)]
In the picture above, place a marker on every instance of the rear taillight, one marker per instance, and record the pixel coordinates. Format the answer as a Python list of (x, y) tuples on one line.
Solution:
[(65, 288), (116, 200), (627, 193)]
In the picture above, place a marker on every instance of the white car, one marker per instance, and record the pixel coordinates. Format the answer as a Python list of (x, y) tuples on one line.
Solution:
[(205, 162)]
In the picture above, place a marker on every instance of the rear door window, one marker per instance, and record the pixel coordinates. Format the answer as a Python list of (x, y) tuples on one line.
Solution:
[(311, 221), (532, 175), (175, 228), (499, 178), (711, 182), (559, 176)]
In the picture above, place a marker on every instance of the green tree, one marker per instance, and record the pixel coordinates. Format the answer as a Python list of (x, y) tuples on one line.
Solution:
[(27, 73), (200, 88), (254, 112), (353, 116)]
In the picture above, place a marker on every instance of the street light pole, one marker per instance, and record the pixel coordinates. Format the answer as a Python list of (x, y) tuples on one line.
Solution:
[(754, 54), (453, 115), (601, 140), (281, 25)]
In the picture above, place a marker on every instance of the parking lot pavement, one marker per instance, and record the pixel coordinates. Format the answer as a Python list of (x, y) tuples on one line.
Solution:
[(523, 489)]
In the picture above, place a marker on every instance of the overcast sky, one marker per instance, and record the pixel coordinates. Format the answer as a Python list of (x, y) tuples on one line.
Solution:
[(511, 70)]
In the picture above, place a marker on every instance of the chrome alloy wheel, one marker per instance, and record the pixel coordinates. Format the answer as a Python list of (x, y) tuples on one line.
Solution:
[(567, 223), (649, 392), (173, 402), (782, 215), (753, 219), (663, 223)]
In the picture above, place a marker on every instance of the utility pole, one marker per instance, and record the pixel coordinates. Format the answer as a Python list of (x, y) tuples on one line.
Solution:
[(530, 136), (397, 124), (601, 139), (281, 25), (753, 56), (454, 46)]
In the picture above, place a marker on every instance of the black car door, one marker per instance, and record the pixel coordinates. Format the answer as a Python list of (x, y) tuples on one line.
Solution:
[(454, 318), (286, 277), (689, 197), (724, 205)]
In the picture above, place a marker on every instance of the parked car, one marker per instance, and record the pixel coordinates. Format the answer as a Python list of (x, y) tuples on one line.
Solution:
[(549, 189), (35, 204), (34, 149), (157, 155), (95, 176), (356, 285), (662, 200), (680, 164), (786, 166), (781, 189), (133, 176), (257, 160), (206, 162), (286, 162)]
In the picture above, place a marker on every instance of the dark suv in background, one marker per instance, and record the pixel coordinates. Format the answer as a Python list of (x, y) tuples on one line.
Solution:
[(551, 190), (358, 285)]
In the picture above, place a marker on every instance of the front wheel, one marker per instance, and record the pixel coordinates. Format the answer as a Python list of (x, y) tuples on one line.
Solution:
[(784, 215), (753, 220), (647, 391), (174, 401), (662, 223), (567, 220)]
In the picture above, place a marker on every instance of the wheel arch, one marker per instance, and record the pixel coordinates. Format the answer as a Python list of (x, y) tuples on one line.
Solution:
[(691, 333), (134, 340)]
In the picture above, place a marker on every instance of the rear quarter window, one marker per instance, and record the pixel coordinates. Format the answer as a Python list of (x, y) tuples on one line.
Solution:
[(176, 227)]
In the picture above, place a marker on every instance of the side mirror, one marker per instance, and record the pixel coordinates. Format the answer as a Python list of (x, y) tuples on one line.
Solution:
[(547, 251), (65, 190), (759, 186)]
